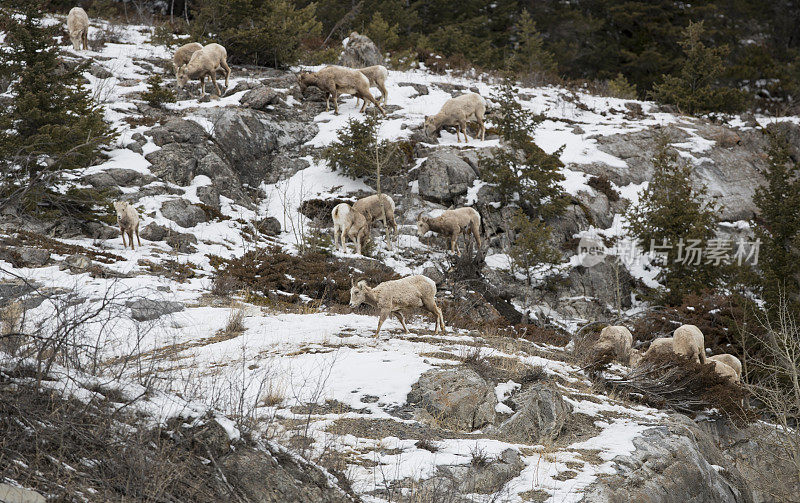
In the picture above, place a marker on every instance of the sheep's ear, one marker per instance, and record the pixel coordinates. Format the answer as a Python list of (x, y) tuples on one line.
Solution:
[(362, 284)]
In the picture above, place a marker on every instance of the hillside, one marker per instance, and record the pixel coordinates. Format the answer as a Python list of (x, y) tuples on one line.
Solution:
[(233, 311)]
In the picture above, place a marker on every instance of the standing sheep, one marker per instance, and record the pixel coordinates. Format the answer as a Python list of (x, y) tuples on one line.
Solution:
[(377, 76), (78, 28), (729, 360), (393, 296), (452, 223), (336, 80), (205, 62), (617, 340), (688, 341), (348, 224), (370, 207), (659, 347), (724, 370), (128, 220), (456, 112), (183, 55)]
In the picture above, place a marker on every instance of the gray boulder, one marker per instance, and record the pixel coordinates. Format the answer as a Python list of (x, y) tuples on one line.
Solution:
[(422, 89), (359, 51), (153, 232), (147, 309), (12, 494), (444, 176), (260, 98), (539, 416), (76, 263), (208, 195), (118, 177), (183, 213), (182, 242), (460, 398), (33, 257), (676, 463), (483, 476)]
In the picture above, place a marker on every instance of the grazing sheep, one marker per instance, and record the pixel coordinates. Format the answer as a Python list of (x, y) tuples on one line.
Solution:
[(393, 296), (456, 112), (336, 80), (452, 223), (636, 357), (729, 360), (660, 346), (348, 224), (128, 220), (377, 76), (78, 28), (370, 207), (724, 370), (205, 63), (618, 340), (183, 55), (688, 341)]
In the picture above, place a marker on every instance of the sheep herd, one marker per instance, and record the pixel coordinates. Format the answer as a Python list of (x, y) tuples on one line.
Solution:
[(687, 341), (353, 223)]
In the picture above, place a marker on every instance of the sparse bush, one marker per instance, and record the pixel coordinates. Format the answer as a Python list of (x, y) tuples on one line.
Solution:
[(603, 185), (163, 35), (531, 248), (157, 94), (619, 87)]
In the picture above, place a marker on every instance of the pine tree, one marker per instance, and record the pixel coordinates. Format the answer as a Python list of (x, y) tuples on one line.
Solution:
[(357, 147), (531, 248), (694, 88), (529, 56), (52, 126), (382, 33), (778, 226), (672, 217)]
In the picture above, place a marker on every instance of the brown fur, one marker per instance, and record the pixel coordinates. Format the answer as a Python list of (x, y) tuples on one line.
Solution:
[(452, 223), (336, 80)]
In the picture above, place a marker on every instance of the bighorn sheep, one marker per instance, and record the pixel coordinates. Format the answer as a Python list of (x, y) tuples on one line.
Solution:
[(377, 76), (393, 296), (128, 220), (617, 340), (452, 223), (205, 63), (183, 55), (456, 112), (729, 360), (370, 207), (688, 341), (659, 347), (636, 357), (724, 370), (336, 80), (78, 28), (349, 224)]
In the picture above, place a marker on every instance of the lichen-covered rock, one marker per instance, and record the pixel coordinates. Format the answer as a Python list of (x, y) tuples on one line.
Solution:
[(483, 476), (444, 176), (459, 398), (118, 177), (260, 97), (183, 213), (359, 51), (539, 416), (148, 309)]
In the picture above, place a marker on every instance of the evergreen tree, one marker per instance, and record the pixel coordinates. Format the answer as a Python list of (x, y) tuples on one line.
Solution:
[(524, 173), (529, 55), (358, 149), (382, 33), (694, 87), (675, 219), (778, 226), (531, 248), (51, 128)]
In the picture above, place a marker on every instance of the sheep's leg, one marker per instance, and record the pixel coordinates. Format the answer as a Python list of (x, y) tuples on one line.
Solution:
[(130, 238), (358, 244), (381, 319), (476, 233), (328, 102), (336, 102), (483, 130), (372, 100), (464, 130), (202, 86), (402, 320), (227, 72), (364, 106), (384, 94), (137, 236), (123, 237), (85, 40), (431, 306), (214, 80)]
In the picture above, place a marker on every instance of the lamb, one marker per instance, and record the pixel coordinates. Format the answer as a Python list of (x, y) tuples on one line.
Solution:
[(729, 360), (370, 207), (348, 224), (659, 347), (452, 223), (205, 62), (396, 295), (336, 80), (183, 55), (456, 112), (688, 341), (78, 28), (128, 220), (377, 76), (618, 340), (724, 370)]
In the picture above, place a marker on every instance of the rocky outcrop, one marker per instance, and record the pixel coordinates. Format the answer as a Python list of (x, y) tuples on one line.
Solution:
[(118, 177), (672, 463), (183, 213), (359, 51), (444, 176), (459, 398), (540, 415), (147, 309), (482, 476)]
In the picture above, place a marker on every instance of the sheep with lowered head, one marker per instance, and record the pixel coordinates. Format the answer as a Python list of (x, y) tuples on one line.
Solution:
[(183, 55), (688, 341), (659, 347), (729, 360), (377, 76), (128, 220), (370, 207), (336, 80), (452, 223), (724, 370), (205, 62), (348, 224), (456, 112), (78, 28), (395, 295), (617, 340)]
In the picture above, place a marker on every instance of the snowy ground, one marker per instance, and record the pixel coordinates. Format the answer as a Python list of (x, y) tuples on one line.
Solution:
[(284, 360)]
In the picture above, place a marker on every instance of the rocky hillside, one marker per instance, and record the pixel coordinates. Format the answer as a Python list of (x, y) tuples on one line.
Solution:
[(235, 183)]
